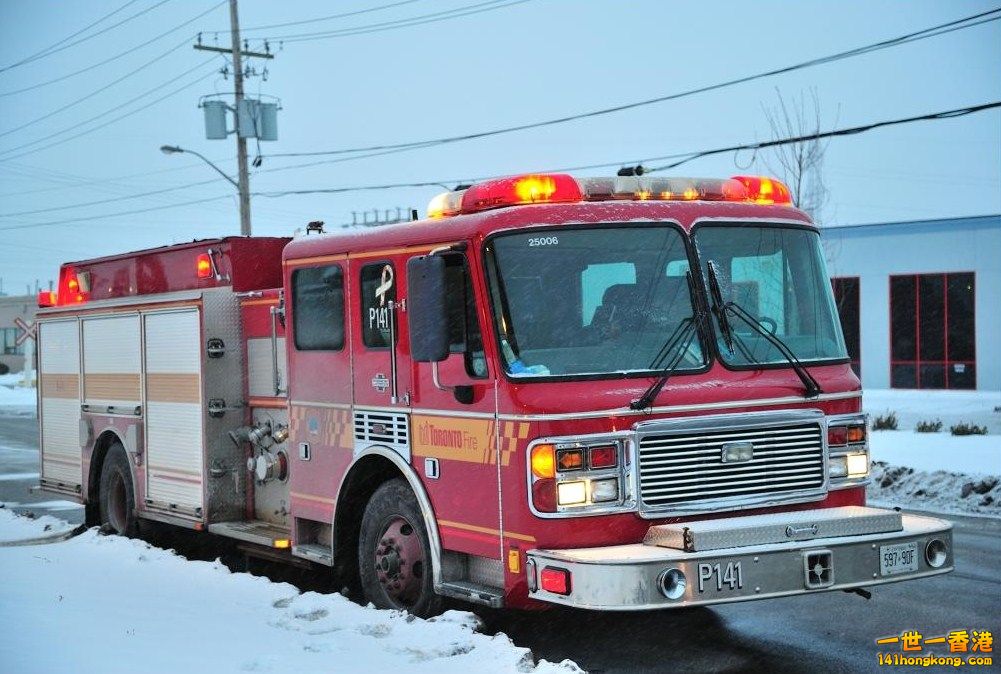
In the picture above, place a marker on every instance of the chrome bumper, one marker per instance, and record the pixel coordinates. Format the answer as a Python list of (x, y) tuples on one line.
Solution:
[(632, 577)]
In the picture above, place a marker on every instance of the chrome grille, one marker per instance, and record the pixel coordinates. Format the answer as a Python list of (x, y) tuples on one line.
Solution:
[(683, 468)]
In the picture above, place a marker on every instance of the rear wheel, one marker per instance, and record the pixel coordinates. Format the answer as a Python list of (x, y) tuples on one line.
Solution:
[(394, 552), (117, 493)]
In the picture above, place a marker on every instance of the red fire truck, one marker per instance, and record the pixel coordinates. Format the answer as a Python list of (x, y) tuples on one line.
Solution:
[(609, 393)]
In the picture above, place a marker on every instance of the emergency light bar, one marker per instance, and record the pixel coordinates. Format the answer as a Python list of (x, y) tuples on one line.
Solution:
[(553, 188)]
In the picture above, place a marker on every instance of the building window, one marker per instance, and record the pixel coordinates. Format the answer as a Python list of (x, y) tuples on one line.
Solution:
[(932, 331), (846, 296), (9, 342), (318, 308)]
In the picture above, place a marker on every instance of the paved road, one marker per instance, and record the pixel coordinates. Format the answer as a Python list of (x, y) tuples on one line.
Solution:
[(830, 632)]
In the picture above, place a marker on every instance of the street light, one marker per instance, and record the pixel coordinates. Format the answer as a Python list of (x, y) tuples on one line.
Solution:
[(244, 198)]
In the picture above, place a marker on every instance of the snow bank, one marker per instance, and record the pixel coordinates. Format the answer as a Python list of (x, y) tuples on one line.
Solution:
[(936, 490), (109, 604), (16, 528), (16, 396)]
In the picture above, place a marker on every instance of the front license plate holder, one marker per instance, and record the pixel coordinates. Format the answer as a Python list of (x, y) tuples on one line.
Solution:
[(898, 558)]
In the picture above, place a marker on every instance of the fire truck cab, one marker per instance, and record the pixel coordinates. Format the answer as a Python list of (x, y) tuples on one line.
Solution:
[(610, 393)]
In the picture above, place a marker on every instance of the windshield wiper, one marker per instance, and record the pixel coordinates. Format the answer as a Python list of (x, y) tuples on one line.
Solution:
[(721, 308), (683, 335)]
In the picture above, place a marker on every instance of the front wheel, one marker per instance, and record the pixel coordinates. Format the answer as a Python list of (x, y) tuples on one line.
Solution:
[(117, 494), (394, 552)]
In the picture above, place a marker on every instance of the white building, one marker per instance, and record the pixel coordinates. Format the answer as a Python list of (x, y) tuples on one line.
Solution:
[(921, 301), (12, 353)]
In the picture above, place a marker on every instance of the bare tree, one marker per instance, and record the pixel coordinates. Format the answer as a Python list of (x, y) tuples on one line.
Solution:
[(799, 165)]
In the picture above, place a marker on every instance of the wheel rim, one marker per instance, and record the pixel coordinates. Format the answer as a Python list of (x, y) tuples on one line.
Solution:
[(117, 513), (399, 562)]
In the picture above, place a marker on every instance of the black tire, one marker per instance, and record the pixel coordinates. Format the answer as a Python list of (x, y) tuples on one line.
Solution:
[(117, 495), (394, 574)]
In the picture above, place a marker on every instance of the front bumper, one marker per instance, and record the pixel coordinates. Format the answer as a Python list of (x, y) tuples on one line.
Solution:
[(632, 577)]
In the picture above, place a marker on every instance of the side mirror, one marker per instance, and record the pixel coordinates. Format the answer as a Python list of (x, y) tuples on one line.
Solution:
[(427, 315)]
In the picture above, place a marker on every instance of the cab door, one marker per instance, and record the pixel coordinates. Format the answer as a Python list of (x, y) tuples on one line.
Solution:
[(382, 392), (454, 433)]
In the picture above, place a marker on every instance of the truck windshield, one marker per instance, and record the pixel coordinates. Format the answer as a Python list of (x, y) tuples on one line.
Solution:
[(778, 276), (596, 301)]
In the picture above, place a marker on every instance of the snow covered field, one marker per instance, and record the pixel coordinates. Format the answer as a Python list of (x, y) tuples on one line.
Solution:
[(14, 395), (83, 605)]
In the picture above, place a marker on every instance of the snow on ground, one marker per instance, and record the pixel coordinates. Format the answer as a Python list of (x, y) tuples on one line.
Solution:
[(951, 407), (109, 604), (940, 472)]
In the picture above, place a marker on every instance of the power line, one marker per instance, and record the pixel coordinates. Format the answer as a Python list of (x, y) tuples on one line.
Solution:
[(933, 31), (50, 52), (320, 19), (683, 156), (116, 214), (103, 114), (67, 106), (851, 131), (418, 20), (68, 37), (117, 56)]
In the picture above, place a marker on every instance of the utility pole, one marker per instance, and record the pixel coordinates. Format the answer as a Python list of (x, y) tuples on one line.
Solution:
[(237, 54), (241, 142)]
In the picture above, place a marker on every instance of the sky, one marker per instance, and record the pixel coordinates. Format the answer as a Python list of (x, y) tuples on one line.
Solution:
[(463, 66)]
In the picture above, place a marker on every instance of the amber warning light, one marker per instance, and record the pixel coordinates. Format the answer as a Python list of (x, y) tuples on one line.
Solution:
[(204, 266)]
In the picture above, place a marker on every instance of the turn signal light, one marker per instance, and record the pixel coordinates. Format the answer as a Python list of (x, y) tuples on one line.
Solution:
[(544, 461), (204, 266), (856, 434), (837, 436), (555, 580), (570, 459)]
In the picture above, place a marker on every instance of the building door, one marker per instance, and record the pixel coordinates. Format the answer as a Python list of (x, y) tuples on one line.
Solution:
[(846, 295), (932, 331)]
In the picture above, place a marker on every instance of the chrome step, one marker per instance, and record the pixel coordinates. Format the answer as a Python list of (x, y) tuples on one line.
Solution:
[(314, 552), (253, 531), (473, 592)]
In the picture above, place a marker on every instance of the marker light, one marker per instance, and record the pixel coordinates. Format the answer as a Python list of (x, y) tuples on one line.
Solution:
[(281, 543), (544, 461), (837, 436), (530, 189), (603, 457), (762, 190), (204, 266), (555, 580), (46, 298)]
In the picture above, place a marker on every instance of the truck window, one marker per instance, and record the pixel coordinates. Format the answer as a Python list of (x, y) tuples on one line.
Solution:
[(378, 289), (464, 332), (318, 308)]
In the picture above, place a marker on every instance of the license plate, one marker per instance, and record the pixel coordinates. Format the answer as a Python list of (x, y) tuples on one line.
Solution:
[(899, 558), (721, 576)]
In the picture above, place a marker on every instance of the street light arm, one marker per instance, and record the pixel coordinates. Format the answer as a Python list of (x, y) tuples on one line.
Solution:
[(174, 149), (217, 169)]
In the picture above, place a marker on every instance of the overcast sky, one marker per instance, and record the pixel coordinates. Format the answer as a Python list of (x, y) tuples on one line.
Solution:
[(513, 63)]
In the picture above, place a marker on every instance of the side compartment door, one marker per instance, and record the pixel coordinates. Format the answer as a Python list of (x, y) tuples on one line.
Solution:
[(174, 412), (59, 388)]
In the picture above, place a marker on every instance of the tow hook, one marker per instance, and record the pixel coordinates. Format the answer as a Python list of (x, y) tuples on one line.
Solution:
[(865, 594)]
